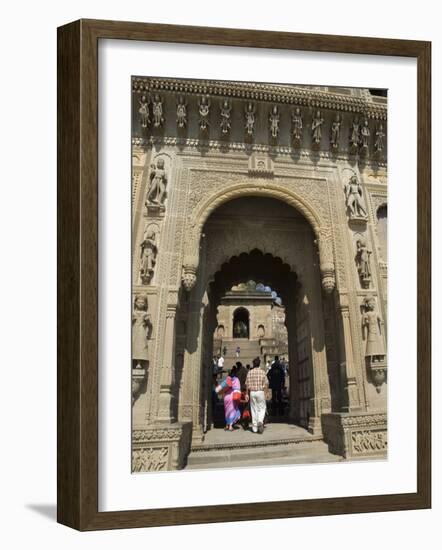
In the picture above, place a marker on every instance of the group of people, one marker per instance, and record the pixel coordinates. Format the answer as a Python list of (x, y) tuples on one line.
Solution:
[(244, 394)]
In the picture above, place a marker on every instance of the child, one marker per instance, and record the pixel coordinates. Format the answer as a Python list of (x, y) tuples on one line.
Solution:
[(245, 410)]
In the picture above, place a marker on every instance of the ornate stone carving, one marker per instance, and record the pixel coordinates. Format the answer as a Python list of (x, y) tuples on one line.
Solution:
[(354, 135), (157, 111), (379, 138), (366, 442), (148, 254), (189, 273), (335, 131), (152, 459), (181, 112), (261, 165), (249, 115), (139, 377), (354, 200), (372, 326), (274, 122), (363, 262), (317, 123), (297, 127), (365, 137), (141, 331), (294, 95), (144, 111), (158, 182), (204, 111), (225, 113), (327, 266)]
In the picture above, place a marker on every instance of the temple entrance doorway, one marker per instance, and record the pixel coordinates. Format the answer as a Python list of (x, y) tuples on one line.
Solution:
[(240, 323), (259, 278)]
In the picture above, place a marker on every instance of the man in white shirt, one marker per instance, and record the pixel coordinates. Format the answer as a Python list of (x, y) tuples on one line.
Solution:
[(220, 363)]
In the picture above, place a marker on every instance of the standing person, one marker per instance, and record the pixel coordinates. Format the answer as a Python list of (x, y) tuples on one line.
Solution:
[(238, 351), (242, 373), (232, 398), (225, 350), (220, 363), (276, 377), (256, 383)]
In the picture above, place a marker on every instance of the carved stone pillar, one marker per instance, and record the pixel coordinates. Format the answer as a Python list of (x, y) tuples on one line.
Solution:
[(321, 401), (351, 384), (165, 405)]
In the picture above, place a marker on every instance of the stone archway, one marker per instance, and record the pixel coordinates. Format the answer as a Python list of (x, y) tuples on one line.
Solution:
[(319, 225), (226, 260)]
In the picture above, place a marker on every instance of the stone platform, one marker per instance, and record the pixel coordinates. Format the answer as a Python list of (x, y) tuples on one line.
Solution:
[(279, 444)]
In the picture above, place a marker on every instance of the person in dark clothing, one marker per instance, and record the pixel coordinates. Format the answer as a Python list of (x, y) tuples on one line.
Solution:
[(241, 373), (276, 377)]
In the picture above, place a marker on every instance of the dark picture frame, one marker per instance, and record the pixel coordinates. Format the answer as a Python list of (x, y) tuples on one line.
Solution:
[(77, 224)]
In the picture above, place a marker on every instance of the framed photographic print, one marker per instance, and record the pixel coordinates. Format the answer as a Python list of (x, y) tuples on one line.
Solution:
[(238, 338)]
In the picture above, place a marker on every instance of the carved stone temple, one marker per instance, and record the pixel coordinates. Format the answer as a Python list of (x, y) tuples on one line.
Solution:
[(259, 222)]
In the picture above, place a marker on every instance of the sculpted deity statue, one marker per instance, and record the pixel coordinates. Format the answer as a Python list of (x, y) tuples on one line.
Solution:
[(335, 131), (141, 331), (297, 125), (372, 327), (354, 199), (144, 111), (274, 121), (354, 134), (365, 135), (240, 330), (225, 123), (250, 118), (148, 254), (203, 110), (363, 262), (158, 183), (157, 110), (379, 139), (181, 113), (317, 123)]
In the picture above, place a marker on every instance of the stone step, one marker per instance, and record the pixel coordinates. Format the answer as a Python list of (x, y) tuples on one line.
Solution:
[(268, 453)]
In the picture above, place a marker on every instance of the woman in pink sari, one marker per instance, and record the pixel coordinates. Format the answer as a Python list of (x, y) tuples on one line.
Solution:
[(232, 397)]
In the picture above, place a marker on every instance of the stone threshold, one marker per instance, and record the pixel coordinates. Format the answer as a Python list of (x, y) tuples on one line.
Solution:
[(256, 444)]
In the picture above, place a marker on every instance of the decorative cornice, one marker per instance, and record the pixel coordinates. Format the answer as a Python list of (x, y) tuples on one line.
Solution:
[(289, 94), (218, 145)]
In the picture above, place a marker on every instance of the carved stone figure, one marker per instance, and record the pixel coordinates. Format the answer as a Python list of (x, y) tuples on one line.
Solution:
[(335, 131), (144, 111), (363, 262), (157, 110), (354, 134), (225, 123), (372, 326), (148, 254), (250, 118), (240, 330), (297, 126), (354, 199), (365, 135), (317, 123), (379, 139), (158, 183), (181, 113), (204, 110), (141, 331), (274, 122)]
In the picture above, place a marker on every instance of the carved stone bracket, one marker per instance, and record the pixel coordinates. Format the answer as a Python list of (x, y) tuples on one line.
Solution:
[(377, 372), (139, 377)]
